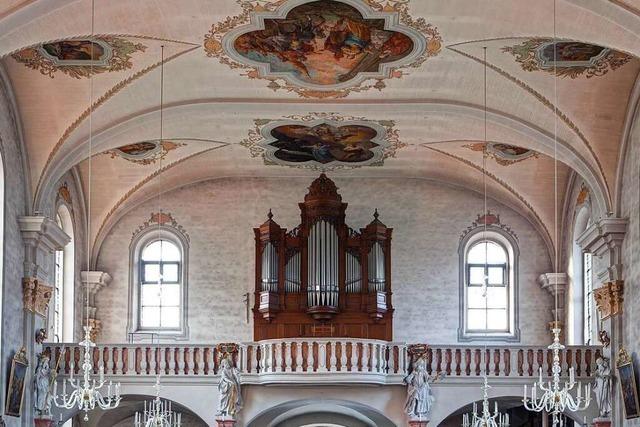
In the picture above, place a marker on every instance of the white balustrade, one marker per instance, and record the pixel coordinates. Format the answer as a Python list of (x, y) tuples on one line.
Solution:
[(327, 360)]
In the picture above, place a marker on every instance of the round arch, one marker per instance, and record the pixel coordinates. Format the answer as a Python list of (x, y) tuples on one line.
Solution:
[(308, 412)]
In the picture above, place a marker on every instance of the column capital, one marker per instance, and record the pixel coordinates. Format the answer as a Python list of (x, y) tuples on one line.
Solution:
[(39, 230), (552, 282), (609, 298), (604, 240), (95, 280)]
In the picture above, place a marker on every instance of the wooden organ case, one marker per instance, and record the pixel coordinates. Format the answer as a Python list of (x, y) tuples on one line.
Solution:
[(323, 278)]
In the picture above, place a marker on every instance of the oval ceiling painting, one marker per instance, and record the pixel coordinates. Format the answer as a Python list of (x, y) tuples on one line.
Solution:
[(323, 48)]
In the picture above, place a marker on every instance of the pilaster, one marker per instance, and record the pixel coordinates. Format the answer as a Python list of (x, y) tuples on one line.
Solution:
[(94, 281)]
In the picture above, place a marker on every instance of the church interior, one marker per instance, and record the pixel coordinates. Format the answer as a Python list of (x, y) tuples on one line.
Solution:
[(319, 213)]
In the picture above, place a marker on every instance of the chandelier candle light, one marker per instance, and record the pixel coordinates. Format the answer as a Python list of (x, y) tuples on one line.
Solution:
[(158, 413), (86, 393), (485, 419), (556, 398)]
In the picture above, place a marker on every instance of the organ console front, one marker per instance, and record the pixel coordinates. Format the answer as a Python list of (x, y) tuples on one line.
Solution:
[(323, 278)]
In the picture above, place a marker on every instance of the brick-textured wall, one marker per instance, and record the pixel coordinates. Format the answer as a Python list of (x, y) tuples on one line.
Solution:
[(427, 217), (13, 254), (630, 208)]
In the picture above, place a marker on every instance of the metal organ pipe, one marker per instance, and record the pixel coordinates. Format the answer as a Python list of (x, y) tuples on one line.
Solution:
[(292, 274), (323, 265), (270, 268), (354, 275), (376, 268)]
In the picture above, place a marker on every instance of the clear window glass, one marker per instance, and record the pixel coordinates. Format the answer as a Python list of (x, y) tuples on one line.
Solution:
[(487, 288), (160, 285), (587, 269)]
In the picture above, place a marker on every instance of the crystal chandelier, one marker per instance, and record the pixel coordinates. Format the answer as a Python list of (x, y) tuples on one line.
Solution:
[(86, 394), (158, 413), (486, 419), (556, 399)]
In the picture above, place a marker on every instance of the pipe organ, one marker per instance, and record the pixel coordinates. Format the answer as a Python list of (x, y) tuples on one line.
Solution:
[(323, 278)]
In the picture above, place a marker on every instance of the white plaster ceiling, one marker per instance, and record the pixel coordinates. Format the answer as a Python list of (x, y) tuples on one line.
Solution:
[(436, 108)]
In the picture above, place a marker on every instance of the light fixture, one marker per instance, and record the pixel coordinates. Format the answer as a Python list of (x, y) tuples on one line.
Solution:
[(157, 413), (88, 394), (486, 418), (556, 397)]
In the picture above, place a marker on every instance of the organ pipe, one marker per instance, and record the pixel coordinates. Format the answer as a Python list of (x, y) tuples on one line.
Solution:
[(270, 268), (322, 265), (376, 268), (292, 274), (353, 282)]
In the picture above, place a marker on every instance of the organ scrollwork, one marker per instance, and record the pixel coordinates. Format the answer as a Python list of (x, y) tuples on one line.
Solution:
[(323, 278)]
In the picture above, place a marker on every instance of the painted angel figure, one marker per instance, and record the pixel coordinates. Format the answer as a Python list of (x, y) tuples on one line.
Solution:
[(602, 386), (42, 390), (419, 396), (230, 401)]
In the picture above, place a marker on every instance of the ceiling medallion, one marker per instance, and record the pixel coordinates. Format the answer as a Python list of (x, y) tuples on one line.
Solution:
[(504, 154), (570, 59), (323, 141), (80, 57), (145, 152), (324, 48)]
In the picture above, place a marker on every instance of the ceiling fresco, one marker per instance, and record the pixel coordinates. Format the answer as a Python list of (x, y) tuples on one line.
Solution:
[(323, 141), (145, 152), (503, 154), (80, 58), (567, 58), (323, 48)]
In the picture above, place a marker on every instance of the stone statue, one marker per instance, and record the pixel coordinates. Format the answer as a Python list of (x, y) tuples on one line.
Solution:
[(602, 386), (42, 389), (419, 398), (230, 401)]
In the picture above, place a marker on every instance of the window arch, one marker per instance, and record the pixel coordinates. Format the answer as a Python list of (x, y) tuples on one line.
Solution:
[(158, 297), (62, 316), (488, 286)]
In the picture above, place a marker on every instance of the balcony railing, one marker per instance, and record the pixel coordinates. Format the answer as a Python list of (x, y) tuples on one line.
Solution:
[(323, 360)]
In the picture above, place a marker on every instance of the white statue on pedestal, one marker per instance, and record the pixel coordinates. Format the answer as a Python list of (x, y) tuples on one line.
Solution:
[(230, 401), (602, 386), (42, 389), (419, 397)]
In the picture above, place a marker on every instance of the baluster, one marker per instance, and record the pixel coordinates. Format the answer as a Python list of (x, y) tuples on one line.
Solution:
[(196, 360), (278, 357), (354, 356), (96, 358), (115, 358), (343, 356), (477, 360), (589, 361), (322, 356), (496, 361), (549, 360), (569, 360), (263, 358), (143, 360), (467, 362), (299, 360), (438, 361), (311, 365), (180, 362), (530, 362), (124, 361), (578, 362), (334, 357), (188, 359), (457, 359), (242, 362), (391, 366), (374, 358), (366, 366), (505, 365)]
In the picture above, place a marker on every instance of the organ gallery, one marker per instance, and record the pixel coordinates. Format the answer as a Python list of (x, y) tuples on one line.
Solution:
[(323, 278)]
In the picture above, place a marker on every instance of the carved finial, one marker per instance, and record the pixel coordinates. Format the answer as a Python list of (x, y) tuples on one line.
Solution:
[(270, 214), (376, 214)]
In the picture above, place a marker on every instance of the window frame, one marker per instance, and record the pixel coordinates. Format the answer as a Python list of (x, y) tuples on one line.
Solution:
[(589, 317), (136, 332), (61, 317), (510, 281)]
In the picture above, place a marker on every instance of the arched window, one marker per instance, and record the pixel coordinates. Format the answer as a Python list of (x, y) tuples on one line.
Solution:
[(488, 287), (589, 309), (62, 315), (160, 265), (158, 279)]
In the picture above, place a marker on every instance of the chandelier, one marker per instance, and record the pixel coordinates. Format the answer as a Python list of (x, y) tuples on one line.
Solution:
[(86, 394), (486, 419), (556, 399), (158, 413)]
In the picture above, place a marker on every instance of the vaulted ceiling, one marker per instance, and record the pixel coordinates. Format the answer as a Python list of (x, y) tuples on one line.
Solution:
[(247, 80)]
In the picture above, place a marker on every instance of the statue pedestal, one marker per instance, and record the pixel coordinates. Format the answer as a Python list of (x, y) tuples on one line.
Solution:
[(225, 422), (602, 422), (43, 422), (418, 423)]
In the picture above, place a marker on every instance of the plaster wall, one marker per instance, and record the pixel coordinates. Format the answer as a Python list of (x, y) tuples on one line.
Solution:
[(630, 208), (427, 218), (13, 251)]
